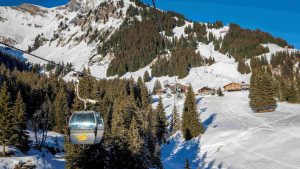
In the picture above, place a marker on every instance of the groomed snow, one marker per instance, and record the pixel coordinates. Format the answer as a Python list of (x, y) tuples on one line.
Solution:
[(238, 138)]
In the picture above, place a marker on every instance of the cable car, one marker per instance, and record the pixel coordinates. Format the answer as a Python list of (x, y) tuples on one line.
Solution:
[(86, 127)]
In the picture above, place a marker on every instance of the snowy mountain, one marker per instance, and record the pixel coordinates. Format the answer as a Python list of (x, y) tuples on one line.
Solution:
[(62, 29), (235, 137)]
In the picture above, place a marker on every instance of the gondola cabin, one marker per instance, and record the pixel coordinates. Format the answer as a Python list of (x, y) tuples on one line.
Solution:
[(86, 127)]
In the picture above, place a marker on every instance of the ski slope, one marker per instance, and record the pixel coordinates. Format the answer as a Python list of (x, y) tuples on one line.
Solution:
[(236, 137)]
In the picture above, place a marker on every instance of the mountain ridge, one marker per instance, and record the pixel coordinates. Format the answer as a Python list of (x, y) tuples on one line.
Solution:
[(76, 31)]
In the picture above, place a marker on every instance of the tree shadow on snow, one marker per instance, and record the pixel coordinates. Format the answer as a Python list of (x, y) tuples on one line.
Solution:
[(177, 151), (154, 100), (210, 164), (209, 120), (198, 100)]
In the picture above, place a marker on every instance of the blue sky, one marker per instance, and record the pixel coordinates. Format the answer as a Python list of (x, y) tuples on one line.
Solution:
[(45, 3), (280, 18)]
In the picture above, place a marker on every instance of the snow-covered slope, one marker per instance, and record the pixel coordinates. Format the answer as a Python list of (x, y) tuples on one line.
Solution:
[(236, 137), (67, 37), (36, 158)]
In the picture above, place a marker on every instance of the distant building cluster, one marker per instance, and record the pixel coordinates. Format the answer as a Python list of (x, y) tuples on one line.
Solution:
[(170, 89)]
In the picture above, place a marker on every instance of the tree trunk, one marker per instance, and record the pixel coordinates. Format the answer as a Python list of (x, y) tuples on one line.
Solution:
[(4, 154)]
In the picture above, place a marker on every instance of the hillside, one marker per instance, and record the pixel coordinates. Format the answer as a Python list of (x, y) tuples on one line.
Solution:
[(118, 41), (87, 35)]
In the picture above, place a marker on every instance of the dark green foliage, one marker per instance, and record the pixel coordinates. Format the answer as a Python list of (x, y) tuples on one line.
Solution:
[(61, 111), (13, 62), (161, 123), (212, 38), (279, 57), (200, 30), (132, 11), (61, 69), (255, 64), (189, 29), (38, 42), (191, 125), (135, 140), (137, 43), (8, 123), (286, 79), (156, 87), (217, 43), (264, 60), (130, 138), (19, 108), (175, 121), (241, 67), (187, 58), (219, 92), (261, 93), (287, 69), (216, 25), (134, 47), (245, 43), (34, 88), (146, 77)]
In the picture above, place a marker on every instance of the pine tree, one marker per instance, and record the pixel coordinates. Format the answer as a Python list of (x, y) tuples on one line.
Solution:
[(61, 111), (156, 87), (77, 105), (219, 92), (187, 165), (118, 126), (75, 156), (145, 99), (261, 93), (8, 123), (19, 110), (175, 121), (242, 67), (135, 140), (160, 125), (157, 156), (146, 77), (191, 125)]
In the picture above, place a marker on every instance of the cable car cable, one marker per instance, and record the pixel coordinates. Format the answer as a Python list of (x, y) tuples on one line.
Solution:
[(78, 135), (49, 61), (160, 29)]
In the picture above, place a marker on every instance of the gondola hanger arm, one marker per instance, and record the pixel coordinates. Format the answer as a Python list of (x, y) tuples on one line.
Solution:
[(84, 100)]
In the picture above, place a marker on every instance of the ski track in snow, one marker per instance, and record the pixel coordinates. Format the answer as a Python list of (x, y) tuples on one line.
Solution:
[(235, 138)]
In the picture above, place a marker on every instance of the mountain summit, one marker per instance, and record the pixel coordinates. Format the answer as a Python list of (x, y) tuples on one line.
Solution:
[(83, 6)]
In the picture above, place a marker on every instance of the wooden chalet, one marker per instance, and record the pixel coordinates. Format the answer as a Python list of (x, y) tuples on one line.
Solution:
[(233, 87), (206, 91)]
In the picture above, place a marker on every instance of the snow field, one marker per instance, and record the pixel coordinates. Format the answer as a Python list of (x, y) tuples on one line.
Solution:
[(238, 138)]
